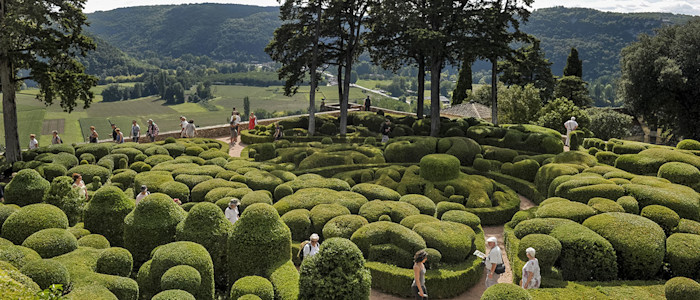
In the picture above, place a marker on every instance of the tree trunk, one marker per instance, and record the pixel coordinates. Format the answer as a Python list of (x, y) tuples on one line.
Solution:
[(9, 109), (421, 87), (340, 82), (346, 96), (494, 91), (435, 69), (312, 93)]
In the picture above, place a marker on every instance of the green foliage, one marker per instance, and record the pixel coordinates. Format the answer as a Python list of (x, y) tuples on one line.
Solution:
[(30, 219), (422, 203), (607, 123), (252, 285), (200, 190), (51, 242), (343, 226), (455, 241), (140, 166), (683, 254), (688, 144), (397, 211), (411, 221), (89, 172), (323, 213), (64, 196), (547, 249), (602, 205), (505, 291), (337, 271), (519, 104), (682, 288), (525, 169), (46, 272), (555, 113), (18, 256), (683, 200), (115, 261), (439, 167), (638, 242), (175, 254), (27, 187), (94, 240), (307, 198), (299, 223), (664, 216), (173, 295), (404, 151), (105, 214), (464, 149), (402, 240), (375, 192), (680, 173), (462, 217), (181, 277)]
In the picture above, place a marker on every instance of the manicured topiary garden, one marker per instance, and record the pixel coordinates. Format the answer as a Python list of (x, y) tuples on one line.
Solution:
[(608, 212)]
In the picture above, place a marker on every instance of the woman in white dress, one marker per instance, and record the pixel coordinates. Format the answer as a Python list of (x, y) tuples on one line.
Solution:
[(531, 271)]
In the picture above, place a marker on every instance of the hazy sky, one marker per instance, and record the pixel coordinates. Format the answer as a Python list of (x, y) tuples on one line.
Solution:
[(690, 7)]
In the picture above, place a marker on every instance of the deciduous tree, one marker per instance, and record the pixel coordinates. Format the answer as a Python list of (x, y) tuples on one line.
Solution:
[(529, 66)]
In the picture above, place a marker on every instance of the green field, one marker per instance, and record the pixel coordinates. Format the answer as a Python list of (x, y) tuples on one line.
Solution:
[(32, 113)]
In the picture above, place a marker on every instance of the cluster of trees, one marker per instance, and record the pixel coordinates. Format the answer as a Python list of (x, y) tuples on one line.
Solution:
[(115, 92)]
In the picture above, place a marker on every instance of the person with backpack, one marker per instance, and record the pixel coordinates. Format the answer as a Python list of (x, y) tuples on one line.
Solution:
[(152, 131), (309, 248), (234, 121), (56, 139), (231, 211), (494, 262)]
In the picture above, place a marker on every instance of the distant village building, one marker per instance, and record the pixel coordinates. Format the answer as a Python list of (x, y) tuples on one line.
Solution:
[(444, 100), (469, 109)]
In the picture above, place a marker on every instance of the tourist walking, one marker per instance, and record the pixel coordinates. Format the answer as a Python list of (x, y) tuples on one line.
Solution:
[(93, 135), (231, 211), (385, 129), (55, 140), (368, 104), (33, 143), (79, 184), (135, 131), (252, 121), (310, 247), (144, 192), (494, 262), (234, 121), (183, 126), (531, 278), (152, 131), (278, 131), (570, 126), (190, 129), (114, 132), (418, 286), (120, 136)]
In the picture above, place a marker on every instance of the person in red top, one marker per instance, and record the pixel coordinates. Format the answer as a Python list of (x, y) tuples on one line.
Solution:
[(252, 121)]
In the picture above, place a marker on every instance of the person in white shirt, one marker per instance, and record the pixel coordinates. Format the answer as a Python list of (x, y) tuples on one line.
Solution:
[(183, 125), (531, 278), (135, 131), (492, 260), (144, 192), (190, 129), (33, 143), (311, 248), (570, 126), (231, 211)]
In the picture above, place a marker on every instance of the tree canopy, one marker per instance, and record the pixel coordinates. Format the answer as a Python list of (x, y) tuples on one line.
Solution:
[(529, 66)]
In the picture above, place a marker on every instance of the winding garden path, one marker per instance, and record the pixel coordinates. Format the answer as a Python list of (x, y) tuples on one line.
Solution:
[(473, 293)]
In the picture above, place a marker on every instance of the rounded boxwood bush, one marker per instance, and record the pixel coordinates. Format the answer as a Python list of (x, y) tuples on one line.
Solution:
[(252, 285), (575, 211), (683, 254), (181, 277), (96, 241), (200, 190), (175, 254), (259, 230), (27, 187), (411, 221), (89, 172), (5, 211), (547, 249), (602, 205), (51, 171), (323, 213), (18, 256), (445, 206), (152, 223), (125, 178), (688, 144), (155, 150), (175, 149), (115, 261), (262, 180), (682, 288), (375, 192), (503, 291), (680, 173), (105, 214), (254, 197), (175, 189), (51, 242), (193, 150), (629, 204), (664, 216), (638, 242), (337, 271), (424, 204), (46, 272), (397, 211), (192, 180), (463, 217), (343, 226), (140, 167), (173, 294), (455, 241), (157, 159), (299, 223), (403, 242), (439, 167), (30, 219)]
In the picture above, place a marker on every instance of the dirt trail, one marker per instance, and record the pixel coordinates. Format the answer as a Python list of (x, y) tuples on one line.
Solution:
[(235, 150)]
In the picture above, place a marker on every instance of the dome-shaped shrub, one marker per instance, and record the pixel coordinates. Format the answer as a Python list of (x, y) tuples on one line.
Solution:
[(455, 241), (575, 211), (175, 254), (680, 173), (682, 288), (299, 223), (173, 294), (503, 291), (89, 172), (193, 150), (683, 254), (602, 205), (156, 150), (140, 167), (51, 171), (202, 189), (30, 219), (388, 242), (343, 226), (192, 180), (254, 197), (396, 210), (547, 249), (51, 242), (252, 285), (27, 187), (688, 144), (422, 203), (5, 211), (439, 167), (105, 214), (411, 221), (638, 242), (323, 213), (46, 272), (115, 261), (96, 241), (181, 277), (337, 271), (18, 256), (175, 189), (664, 216), (463, 217), (151, 224), (375, 192), (629, 204)]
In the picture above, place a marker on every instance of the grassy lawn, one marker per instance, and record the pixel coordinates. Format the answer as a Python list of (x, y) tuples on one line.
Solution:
[(603, 290), (372, 84)]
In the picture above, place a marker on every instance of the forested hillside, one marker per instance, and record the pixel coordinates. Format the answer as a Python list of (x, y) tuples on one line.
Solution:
[(239, 33)]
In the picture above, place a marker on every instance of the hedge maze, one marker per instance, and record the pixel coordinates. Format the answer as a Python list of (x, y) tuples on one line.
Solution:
[(608, 213)]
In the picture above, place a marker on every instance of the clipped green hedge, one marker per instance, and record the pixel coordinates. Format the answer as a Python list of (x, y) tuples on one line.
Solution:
[(664, 216), (439, 167), (27, 187), (455, 241), (629, 204), (688, 144), (310, 197), (382, 232), (375, 192), (105, 214), (323, 213), (89, 172), (575, 211), (173, 294), (46, 272), (18, 256), (680, 173), (397, 211), (547, 249), (683, 254), (681, 199), (321, 275), (343, 226), (30, 219), (175, 254), (200, 190), (422, 203), (115, 261), (505, 291), (51, 242), (682, 288), (181, 277), (462, 217), (252, 285)]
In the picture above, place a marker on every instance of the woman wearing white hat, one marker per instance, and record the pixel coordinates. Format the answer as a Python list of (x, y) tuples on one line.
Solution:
[(531, 271), (493, 259)]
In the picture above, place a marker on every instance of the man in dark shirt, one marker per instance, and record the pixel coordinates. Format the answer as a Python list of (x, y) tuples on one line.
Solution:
[(114, 132), (368, 103), (385, 130)]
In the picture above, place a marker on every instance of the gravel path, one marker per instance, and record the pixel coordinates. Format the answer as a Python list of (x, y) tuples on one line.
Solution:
[(235, 150)]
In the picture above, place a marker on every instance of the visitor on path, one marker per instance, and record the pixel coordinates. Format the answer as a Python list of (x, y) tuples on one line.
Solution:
[(231, 211), (144, 192), (152, 131), (368, 104), (278, 131), (93, 135), (494, 261), (234, 121), (310, 248), (135, 131), (183, 126), (33, 143), (79, 184), (252, 121), (177, 201), (385, 130), (55, 140), (114, 132), (323, 104), (190, 129), (531, 278), (418, 286), (120, 136), (570, 126)]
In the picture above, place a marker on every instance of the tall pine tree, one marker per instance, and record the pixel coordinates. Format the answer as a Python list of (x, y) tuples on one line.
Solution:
[(574, 66), (464, 82)]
